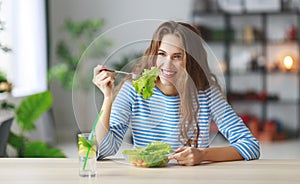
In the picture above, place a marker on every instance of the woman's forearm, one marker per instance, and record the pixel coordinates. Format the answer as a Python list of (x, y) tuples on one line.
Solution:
[(193, 156), (227, 153), (103, 123)]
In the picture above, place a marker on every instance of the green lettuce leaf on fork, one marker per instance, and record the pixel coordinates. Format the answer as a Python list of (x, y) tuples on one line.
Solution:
[(145, 84)]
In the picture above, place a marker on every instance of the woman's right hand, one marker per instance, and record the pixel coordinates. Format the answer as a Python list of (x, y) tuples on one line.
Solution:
[(104, 80)]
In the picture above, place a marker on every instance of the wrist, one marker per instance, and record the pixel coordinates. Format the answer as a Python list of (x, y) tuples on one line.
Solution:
[(108, 98), (205, 154)]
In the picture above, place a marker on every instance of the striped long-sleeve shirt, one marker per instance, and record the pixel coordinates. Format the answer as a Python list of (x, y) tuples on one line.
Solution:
[(156, 119)]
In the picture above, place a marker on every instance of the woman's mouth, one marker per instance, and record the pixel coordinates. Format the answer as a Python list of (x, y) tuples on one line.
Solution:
[(168, 73)]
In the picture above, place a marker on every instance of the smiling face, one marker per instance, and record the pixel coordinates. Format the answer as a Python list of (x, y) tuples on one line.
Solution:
[(171, 61)]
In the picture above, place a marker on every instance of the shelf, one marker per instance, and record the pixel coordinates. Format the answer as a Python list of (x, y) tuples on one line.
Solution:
[(255, 42), (249, 73), (281, 42), (244, 43), (267, 41), (243, 13), (264, 38), (248, 101), (282, 73), (284, 102), (273, 102)]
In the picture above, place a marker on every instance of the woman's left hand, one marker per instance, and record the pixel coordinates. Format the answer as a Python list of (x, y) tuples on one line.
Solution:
[(188, 156)]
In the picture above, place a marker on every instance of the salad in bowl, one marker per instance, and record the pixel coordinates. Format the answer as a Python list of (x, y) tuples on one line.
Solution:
[(155, 154)]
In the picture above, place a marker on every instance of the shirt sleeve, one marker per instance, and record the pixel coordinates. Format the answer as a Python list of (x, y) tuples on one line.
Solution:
[(232, 126), (119, 121)]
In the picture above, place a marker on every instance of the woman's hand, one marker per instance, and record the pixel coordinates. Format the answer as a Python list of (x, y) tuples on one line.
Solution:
[(104, 80), (188, 156), (194, 156)]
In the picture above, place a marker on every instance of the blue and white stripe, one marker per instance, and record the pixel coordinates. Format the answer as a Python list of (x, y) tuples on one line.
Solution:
[(156, 119)]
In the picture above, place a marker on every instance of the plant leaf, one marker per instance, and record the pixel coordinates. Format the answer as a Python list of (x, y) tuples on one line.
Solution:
[(3, 77), (17, 142), (39, 149), (31, 108), (63, 52), (84, 142)]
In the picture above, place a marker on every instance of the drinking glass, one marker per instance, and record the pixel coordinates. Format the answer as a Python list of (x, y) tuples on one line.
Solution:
[(87, 146)]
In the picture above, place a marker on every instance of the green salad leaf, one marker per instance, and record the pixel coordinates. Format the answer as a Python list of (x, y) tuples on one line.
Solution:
[(154, 155), (145, 84)]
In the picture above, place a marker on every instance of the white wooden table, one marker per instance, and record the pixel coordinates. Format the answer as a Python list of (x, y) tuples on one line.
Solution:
[(65, 170)]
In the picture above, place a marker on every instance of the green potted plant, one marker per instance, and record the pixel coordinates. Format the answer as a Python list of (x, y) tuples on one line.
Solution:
[(69, 50), (29, 110)]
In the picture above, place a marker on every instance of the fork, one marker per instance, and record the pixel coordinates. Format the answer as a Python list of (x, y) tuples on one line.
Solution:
[(132, 75)]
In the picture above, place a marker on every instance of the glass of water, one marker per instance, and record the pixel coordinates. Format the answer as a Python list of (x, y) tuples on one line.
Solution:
[(87, 146)]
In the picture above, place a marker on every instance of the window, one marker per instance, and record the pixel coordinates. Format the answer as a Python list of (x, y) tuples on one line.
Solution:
[(25, 34)]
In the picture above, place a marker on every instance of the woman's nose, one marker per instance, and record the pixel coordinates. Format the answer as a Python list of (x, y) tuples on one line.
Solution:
[(168, 61), (169, 58)]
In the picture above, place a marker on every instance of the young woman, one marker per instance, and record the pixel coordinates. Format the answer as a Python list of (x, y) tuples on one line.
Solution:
[(186, 99)]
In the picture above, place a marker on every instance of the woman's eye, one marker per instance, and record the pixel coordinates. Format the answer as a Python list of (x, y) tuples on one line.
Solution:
[(177, 57), (161, 54)]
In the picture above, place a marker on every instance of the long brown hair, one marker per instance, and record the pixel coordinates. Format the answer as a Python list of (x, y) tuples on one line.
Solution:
[(198, 76)]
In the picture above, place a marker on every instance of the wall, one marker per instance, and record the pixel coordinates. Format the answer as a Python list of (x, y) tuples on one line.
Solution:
[(115, 12)]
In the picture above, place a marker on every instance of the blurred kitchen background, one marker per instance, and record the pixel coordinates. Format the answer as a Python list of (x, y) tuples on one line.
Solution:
[(255, 45)]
